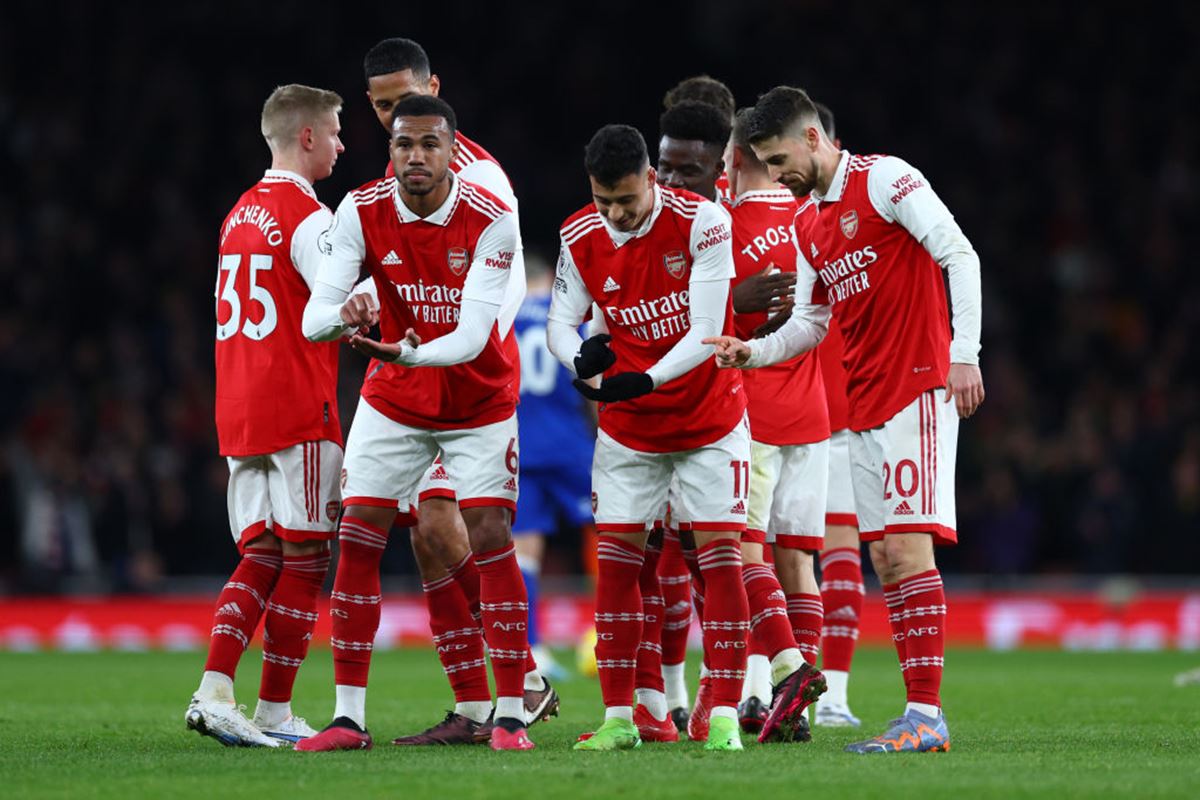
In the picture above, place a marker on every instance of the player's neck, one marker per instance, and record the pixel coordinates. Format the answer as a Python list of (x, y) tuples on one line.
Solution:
[(828, 157), (288, 163), (754, 182), (425, 204)]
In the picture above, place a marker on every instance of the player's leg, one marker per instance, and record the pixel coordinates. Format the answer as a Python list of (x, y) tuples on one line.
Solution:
[(842, 588), (676, 583), (628, 488), (483, 462), (651, 714), (797, 529), (536, 514), (306, 501), (213, 710), (918, 446), (714, 488), (384, 460)]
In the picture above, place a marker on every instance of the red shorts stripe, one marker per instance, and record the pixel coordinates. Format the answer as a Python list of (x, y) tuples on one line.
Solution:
[(754, 536), (942, 536), (373, 502), (250, 533), (437, 494), (842, 519), (289, 535), (715, 526)]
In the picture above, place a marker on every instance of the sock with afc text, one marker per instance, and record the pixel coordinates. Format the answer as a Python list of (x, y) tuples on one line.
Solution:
[(354, 604), (291, 616)]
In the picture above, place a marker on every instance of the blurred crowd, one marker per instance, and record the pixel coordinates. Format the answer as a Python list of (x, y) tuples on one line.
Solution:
[(1064, 142)]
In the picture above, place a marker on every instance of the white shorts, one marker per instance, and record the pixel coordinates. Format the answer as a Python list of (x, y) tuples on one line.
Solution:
[(629, 487), (386, 460), (904, 472), (673, 514), (293, 493), (839, 505), (787, 495)]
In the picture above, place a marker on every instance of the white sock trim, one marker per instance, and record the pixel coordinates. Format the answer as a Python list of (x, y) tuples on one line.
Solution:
[(351, 702), (475, 710), (925, 708), (216, 687), (511, 707), (619, 712), (654, 701), (729, 712)]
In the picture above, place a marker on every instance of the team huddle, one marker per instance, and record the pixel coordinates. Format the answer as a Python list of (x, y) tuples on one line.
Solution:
[(762, 320)]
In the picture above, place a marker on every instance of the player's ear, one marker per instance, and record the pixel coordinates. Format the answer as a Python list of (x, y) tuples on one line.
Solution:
[(307, 138), (435, 85), (651, 177)]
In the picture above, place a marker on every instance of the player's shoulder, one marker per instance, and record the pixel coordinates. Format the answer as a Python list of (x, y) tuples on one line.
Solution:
[(583, 222), (683, 203), (762, 202), (469, 152), (373, 192), (482, 201)]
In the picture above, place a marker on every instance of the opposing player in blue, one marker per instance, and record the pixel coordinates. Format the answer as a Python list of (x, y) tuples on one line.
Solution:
[(557, 436)]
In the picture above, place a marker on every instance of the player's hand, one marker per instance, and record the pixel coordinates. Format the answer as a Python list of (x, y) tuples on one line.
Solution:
[(764, 291), (360, 313), (394, 352), (774, 323), (964, 384), (731, 351), (622, 386), (594, 356)]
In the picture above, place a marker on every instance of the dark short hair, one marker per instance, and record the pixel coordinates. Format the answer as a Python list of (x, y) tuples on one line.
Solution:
[(614, 152), (702, 89), (692, 120), (825, 113), (396, 55), (778, 110), (426, 105)]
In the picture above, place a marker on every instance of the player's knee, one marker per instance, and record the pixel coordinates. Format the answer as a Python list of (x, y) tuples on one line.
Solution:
[(310, 547), (908, 554), (752, 554), (265, 541), (879, 561)]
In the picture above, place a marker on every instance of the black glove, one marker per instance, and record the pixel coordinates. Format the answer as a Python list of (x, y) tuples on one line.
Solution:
[(594, 356), (622, 386)]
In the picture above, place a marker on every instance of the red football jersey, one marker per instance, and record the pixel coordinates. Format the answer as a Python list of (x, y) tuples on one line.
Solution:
[(275, 389), (787, 400), (886, 291), (830, 352), (427, 263), (642, 288)]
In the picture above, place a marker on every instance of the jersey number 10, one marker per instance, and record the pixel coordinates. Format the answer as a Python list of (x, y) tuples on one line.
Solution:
[(251, 330)]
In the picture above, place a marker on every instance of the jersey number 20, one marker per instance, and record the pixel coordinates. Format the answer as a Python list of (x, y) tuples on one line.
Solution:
[(251, 330)]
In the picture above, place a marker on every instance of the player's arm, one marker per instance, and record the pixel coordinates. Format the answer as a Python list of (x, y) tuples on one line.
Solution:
[(329, 313), (490, 176), (804, 329), (569, 304), (901, 194), (483, 292), (306, 245)]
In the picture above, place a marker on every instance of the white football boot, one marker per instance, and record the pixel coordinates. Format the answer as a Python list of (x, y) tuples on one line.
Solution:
[(226, 723), (292, 729), (836, 716)]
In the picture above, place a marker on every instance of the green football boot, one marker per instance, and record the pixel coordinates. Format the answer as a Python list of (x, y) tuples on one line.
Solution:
[(723, 734), (614, 734)]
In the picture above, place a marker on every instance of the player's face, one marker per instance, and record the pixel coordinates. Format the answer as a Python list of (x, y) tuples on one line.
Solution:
[(421, 149), (689, 164), (628, 202), (789, 161), (327, 144), (384, 91)]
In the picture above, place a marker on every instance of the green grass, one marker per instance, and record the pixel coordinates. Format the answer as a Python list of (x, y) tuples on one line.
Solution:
[(1035, 724)]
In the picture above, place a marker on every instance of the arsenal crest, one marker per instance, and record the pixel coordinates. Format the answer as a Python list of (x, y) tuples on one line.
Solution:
[(675, 262), (849, 222), (458, 259)]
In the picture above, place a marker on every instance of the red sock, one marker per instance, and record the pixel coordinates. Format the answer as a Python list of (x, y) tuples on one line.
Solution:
[(924, 636), (650, 651), (458, 639), (806, 614), (618, 618), (726, 619), (239, 607), (291, 615), (691, 558), (842, 596), (770, 630), (676, 583), (505, 609), (466, 574), (894, 601), (354, 604)]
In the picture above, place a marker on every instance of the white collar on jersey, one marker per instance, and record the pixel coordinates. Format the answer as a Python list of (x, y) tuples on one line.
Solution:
[(278, 175), (439, 217), (838, 184), (763, 196), (622, 237)]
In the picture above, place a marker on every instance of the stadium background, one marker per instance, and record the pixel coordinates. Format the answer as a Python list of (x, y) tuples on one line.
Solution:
[(1063, 141)]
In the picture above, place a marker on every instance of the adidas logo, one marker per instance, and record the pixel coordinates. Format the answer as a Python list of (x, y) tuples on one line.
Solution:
[(738, 508), (845, 612), (610, 285), (440, 474), (510, 485), (232, 610), (904, 509), (391, 259)]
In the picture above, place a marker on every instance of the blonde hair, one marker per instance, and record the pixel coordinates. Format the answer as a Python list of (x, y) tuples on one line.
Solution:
[(293, 107)]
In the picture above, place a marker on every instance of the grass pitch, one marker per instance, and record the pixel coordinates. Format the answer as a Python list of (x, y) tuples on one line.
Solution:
[(1024, 724)]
